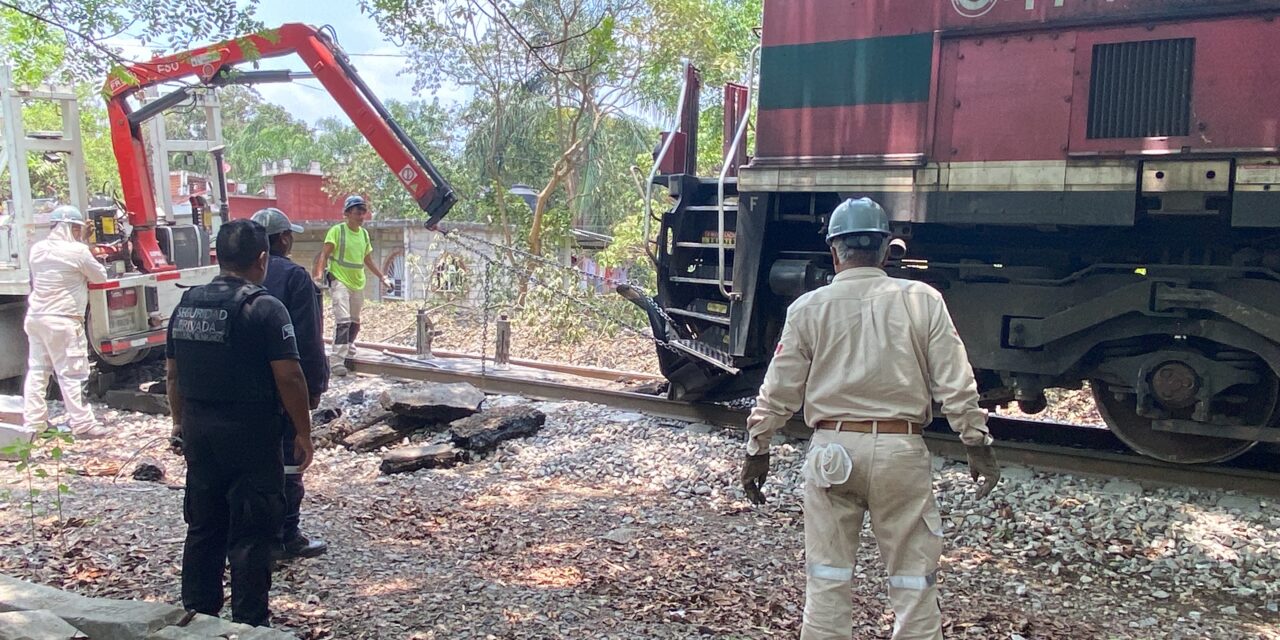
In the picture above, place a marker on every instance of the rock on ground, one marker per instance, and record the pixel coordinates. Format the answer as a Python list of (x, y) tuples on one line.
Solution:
[(484, 431), (11, 409), (373, 438), (127, 400), (432, 456), (114, 619), (433, 402), (36, 625), (12, 434)]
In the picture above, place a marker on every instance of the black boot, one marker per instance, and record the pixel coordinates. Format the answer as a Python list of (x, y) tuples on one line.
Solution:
[(302, 547)]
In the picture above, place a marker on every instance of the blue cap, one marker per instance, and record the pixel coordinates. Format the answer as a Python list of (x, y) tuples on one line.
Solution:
[(353, 201)]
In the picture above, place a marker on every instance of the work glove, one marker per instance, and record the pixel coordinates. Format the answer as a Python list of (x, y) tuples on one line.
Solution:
[(175, 440), (754, 471), (982, 463)]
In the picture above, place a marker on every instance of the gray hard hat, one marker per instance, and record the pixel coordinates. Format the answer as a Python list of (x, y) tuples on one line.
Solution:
[(67, 213), (353, 201), (275, 221), (862, 215)]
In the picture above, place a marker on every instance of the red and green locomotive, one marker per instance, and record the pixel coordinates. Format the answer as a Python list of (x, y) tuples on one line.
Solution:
[(1094, 185)]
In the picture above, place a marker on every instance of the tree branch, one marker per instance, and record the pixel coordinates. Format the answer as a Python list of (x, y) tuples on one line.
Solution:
[(69, 31), (534, 49)]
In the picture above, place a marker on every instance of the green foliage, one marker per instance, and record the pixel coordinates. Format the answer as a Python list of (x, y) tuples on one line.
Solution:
[(355, 167), (42, 46), (48, 178), (556, 86), (34, 458), (66, 39), (264, 132), (714, 35)]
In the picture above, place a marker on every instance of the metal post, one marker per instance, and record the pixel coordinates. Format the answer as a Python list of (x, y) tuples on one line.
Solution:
[(426, 333), (219, 170), (17, 144), (502, 352), (162, 146)]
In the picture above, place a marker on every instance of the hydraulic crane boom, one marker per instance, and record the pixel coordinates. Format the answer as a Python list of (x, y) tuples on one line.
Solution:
[(213, 67)]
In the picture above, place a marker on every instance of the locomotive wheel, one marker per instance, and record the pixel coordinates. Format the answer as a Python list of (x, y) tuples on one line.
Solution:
[(1181, 448)]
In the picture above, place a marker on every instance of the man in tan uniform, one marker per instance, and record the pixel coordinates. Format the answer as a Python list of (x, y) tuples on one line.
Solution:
[(867, 355)]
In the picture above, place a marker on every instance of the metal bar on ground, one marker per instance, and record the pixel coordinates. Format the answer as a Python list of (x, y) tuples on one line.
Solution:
[(585, 372)]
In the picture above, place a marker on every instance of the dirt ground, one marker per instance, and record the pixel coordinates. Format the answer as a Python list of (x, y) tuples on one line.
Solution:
[(613, 525)]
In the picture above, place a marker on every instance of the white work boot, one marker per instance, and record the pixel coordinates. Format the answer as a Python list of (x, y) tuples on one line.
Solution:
[(338, 370), (91, 432)]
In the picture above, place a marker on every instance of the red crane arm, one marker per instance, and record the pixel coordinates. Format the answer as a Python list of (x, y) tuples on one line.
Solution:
[(212, 66)]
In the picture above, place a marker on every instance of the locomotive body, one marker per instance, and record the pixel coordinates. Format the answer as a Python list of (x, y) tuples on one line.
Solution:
[(1094, 187)]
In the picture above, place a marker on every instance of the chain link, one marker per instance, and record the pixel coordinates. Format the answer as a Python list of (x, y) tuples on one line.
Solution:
[(553, 264), (556, 265), (484, 314), (526, 273)]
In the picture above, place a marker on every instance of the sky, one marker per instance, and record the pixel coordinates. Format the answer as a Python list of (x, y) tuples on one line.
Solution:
[(374, 57), (378, 61)]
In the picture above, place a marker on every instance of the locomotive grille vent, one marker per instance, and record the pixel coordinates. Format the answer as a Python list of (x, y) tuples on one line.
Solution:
[(1141, 89)]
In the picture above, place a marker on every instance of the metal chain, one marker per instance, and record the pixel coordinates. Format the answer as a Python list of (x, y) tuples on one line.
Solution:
[(528, 274), (484, 311), (532, 256), (576, 272), (552, 264)]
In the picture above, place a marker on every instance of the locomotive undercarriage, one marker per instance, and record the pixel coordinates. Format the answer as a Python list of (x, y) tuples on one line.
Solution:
[(1180, 344)]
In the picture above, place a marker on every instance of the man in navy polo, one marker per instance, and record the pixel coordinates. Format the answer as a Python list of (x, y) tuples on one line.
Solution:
[(290, 282)]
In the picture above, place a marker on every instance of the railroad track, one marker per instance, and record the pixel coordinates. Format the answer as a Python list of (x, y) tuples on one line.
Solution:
[(1042, 445)]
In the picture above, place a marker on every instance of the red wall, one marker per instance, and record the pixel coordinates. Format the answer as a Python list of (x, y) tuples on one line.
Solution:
[(243, 207), (300, 196)]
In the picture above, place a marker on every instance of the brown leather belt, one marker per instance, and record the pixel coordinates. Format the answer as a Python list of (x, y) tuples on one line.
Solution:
[(869, 426)]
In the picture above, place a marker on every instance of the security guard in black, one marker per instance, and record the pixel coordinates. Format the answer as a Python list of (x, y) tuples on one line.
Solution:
[(233, 376)]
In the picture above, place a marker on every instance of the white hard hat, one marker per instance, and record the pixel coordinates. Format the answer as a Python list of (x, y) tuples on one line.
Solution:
[(67, 213)]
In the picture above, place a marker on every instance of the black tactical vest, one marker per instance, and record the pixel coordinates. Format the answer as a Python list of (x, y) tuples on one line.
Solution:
[(214, 358)]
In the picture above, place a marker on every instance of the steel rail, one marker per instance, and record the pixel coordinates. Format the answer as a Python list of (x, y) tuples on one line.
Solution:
[(598, 373), (1083, 461)]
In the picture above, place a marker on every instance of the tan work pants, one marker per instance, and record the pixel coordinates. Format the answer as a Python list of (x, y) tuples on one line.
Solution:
[(347, 303), (891, 479), (56, 346)]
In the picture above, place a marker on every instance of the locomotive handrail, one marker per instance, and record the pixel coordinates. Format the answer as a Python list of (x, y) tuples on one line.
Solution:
[(662, 154), (724, 173)]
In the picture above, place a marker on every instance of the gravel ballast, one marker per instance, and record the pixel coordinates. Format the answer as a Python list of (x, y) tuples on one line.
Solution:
[(613, 525)]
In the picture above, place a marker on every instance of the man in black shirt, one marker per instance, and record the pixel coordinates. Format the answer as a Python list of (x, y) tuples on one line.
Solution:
[(232, 361), (292, 285)]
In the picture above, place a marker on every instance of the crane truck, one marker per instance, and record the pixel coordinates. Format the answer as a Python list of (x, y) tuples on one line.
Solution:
[(149, 256)]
